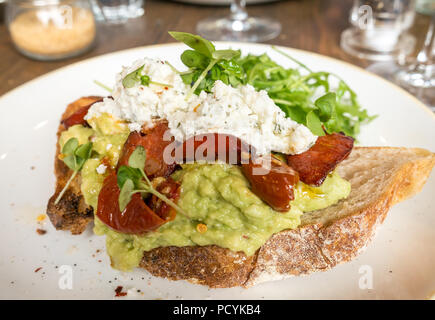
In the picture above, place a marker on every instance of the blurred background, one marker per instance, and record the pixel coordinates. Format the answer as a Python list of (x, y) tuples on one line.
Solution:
[(393, 38)]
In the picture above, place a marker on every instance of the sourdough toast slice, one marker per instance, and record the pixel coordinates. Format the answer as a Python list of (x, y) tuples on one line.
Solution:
[(380, 177)]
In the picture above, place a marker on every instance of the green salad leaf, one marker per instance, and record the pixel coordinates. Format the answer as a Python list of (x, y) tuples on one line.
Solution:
[(294, 91), (314, 124), (308, 97)]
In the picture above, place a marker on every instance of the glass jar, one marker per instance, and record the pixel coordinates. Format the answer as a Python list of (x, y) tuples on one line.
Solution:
[(51, 29)]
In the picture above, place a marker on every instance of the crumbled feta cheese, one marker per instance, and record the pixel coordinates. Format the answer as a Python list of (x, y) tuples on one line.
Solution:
[(101, 169), (140, 104), (243, 112), (108, 146), (134, 126)]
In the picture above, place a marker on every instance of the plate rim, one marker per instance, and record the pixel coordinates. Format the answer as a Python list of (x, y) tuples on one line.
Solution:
[(170, 44)]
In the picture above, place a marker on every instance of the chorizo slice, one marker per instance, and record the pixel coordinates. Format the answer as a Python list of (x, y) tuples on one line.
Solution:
[(273, 181), (212, 147), (137, 217), (316, 163), (171, 190), (78, 117), (154, 144)]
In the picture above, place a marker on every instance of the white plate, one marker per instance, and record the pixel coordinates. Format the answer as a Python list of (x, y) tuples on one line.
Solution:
[(401, 258)]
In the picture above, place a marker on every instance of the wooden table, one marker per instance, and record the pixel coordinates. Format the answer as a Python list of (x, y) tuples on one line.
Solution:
[(313, 25)]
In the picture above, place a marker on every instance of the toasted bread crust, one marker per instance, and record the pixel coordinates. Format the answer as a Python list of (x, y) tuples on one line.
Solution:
[(318, 244), (209, 265), (71, 213)]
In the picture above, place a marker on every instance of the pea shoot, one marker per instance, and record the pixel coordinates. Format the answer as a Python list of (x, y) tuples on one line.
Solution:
[(102, 85), (132, 179), (136, 76), (74, 156), (206, 64)]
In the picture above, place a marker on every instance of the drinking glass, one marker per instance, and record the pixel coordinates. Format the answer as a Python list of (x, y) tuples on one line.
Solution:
[(419, 76), (117, 11), (239, 26), (51, 29), (425, 6), (378, 29)]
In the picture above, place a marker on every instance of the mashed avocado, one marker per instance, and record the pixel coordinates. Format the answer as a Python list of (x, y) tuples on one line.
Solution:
[(81, 133), (215, 195), (219, 196), (108, 136)]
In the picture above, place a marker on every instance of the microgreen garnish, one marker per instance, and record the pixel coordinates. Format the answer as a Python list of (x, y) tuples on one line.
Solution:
[(126, 193), (74, 156), (172, 67), (136, 76), (132, 179), (197, 43), (102, 85), (292, 89), (206, 64)]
